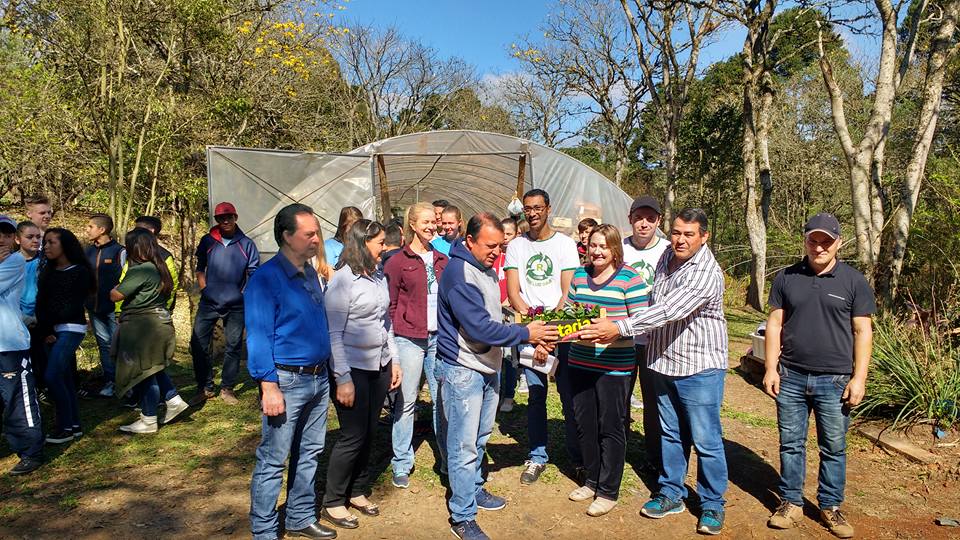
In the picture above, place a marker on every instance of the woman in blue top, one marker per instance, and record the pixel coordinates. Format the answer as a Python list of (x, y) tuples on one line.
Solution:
[(365, 368), (333, 247)]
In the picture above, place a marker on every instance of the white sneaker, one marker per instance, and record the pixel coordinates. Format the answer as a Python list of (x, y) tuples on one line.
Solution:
[(146, 424), (175, 406), (582, 493), (636, 402), (107, 390), (507, 405), (522, 388)]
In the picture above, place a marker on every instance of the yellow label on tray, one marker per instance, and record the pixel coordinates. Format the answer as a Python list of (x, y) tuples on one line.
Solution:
[(567, 329)]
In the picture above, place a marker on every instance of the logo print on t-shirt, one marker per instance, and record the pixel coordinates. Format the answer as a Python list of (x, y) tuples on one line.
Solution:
[(645, 270), (539, 269)]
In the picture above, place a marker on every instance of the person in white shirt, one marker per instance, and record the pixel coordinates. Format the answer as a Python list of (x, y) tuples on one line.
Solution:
[(539, 269), (642, 250)]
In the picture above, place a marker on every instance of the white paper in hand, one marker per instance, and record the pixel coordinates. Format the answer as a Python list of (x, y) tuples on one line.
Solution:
[(526, 360)]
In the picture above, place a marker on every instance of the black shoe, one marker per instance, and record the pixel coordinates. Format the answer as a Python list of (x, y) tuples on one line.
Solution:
[(315, 530), (60, 436), (344, 523), (26, 466), (532, 472), (371, 509)]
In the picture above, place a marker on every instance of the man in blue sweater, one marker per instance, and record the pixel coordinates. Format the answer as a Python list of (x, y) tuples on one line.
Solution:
[(225, 260), (469, 343), (289, 346)]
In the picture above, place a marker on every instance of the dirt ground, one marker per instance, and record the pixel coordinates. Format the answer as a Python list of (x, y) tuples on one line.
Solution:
[(887, 496)]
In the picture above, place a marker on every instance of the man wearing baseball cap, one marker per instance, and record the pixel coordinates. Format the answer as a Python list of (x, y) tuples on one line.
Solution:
[(642, 250), (18, 395), (819, 340), (225, 260)]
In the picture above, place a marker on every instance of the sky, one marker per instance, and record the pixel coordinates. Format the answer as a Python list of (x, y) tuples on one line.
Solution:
[(481, 32)]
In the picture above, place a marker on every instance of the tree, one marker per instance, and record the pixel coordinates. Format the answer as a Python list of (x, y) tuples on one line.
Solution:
[(540, 104), (587, 48), (669, 65)]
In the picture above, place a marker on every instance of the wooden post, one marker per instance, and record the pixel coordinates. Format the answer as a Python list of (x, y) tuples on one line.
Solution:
[(521, 175), (385, 211)]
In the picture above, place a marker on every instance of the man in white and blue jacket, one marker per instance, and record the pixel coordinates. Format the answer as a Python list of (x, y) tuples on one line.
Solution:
[(469, 342)]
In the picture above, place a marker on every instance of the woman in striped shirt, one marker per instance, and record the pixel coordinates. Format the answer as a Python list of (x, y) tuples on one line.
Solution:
[(600, 374)]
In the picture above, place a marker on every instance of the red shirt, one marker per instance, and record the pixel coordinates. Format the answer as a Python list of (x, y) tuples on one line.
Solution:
[(498, 268)]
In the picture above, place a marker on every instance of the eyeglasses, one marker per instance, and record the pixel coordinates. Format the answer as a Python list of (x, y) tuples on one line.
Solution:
[(225, 218), (533, 209)]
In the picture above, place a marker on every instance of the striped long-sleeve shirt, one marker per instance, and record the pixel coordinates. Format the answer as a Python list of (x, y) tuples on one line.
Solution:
[(623, 294), (686, 326)]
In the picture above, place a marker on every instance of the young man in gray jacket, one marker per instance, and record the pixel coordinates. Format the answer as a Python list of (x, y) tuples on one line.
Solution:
[(468, 345)]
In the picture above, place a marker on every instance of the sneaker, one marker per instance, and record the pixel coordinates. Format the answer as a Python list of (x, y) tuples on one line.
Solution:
[(787, 516), (401, 481), (201, 396), (228, 397), (145, 424), (661, 506), (107, 390), (129, 401), (60, 436), (522, 387), (489, 501), (836, 522), (582, 493), (532, 472), (636, 402), (468, 530), (175, 406), (26, 466), (507, 405), (711, 522), (77, 432), (601, 506)]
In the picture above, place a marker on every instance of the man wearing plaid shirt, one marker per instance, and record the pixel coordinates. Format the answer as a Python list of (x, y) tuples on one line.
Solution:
[(687, 351)]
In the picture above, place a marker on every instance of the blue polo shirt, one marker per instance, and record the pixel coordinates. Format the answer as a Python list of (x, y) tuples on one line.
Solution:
[(285, 318)]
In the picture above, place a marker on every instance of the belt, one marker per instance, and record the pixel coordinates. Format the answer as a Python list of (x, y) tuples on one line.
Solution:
[(317, 369)]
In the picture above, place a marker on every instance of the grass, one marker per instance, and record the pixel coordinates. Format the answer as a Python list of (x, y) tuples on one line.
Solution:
[(749, 419)]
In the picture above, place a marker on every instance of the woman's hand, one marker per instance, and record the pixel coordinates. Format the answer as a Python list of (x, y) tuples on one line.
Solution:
[(397, 376), (541, 352), (345, 394)]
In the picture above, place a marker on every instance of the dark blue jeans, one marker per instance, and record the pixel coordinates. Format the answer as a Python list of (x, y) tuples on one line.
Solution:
[(508, 374), (537, 410), (21, 410), (691, 405), (152, 389), (59, 378), (799, 394), (299, 434), (104, 327), (203, 325)]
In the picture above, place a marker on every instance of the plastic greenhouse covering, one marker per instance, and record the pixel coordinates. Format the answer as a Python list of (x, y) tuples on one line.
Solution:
[(476, 171)]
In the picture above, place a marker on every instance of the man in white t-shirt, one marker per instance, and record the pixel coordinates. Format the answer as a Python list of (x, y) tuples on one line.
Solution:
[(642, 251), (539, 269)]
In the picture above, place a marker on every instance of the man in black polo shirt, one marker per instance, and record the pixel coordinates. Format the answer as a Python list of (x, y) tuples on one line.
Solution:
[(818, 344)]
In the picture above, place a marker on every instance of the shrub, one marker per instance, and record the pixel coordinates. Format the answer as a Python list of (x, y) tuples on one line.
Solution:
[(914, 376)]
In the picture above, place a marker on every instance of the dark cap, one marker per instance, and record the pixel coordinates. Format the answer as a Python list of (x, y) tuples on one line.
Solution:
[(7, 225), (825, 223), (224, 209), (646, 201)]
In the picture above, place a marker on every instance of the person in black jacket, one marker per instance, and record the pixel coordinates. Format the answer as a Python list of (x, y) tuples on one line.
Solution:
[(107, 258), (64, 284)]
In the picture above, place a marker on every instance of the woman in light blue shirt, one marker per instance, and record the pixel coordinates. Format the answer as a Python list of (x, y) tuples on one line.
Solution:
[(365, 368), (333, 247)]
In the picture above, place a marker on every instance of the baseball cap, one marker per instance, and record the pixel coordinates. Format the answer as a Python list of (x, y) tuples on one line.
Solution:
[(825, 223), (7, 225), (224, 209), (646, 201)]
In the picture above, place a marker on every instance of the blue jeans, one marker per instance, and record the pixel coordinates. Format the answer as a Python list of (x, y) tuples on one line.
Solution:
[(298, 433), (203, 324), (691, 405), (469, 400), (537, 410), (799, 393), (104, 327), (508, 374), (151, 389), (417, 357), (59, 377)]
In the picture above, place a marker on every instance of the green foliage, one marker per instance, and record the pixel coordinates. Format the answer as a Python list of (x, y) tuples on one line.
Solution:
[(915, 374)]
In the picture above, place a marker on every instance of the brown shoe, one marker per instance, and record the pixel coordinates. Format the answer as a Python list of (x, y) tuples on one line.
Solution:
[(201, 397), (787, 516), (836, 522), (228, 397)]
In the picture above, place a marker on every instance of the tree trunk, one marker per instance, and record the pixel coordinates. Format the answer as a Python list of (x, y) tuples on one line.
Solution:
[(756, 231), (941, 52), (670, 166), (763, 149)]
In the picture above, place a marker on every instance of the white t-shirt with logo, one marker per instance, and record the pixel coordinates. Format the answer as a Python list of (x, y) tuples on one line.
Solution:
[(539, 264), (432, 289), (644, 261)]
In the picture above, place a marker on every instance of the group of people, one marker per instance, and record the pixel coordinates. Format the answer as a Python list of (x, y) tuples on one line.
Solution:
[(380, 307)]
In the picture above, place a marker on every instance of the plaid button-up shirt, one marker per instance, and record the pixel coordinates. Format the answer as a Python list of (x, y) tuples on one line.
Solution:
[(685, 324)]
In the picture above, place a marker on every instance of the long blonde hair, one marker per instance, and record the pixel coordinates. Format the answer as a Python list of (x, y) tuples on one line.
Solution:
[(413, 211), (323, 267)]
